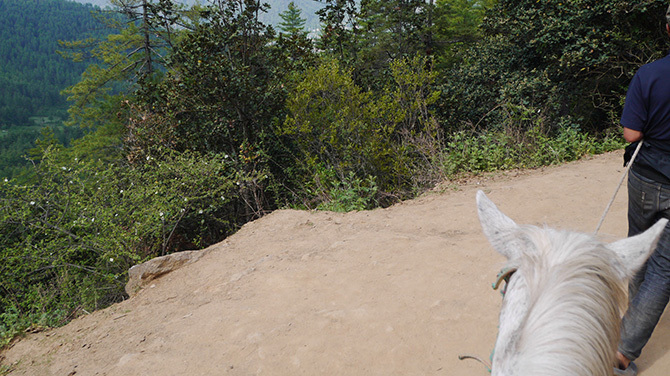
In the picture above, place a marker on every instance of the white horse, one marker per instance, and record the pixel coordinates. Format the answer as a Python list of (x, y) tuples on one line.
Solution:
[(562, 307)]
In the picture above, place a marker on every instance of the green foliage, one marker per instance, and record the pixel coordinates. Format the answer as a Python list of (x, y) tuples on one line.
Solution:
[(351, 194), (222, 93), (70, 235), (339, 23), (395, 28), (294, 49), (570, 60), (292, 23), (457, 27), (495, 150), (332, 121), (53, 247), (221, 89), (390, 30), (31, 73), (141, 34), (340, 128), (17, 141)]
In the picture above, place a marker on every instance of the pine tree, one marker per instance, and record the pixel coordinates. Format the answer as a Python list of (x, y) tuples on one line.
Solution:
[(133, 54), (293, 23), (457, 26), (293, 42)]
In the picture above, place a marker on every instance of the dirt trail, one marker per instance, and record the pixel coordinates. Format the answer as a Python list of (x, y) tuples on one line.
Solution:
[(397, 291)]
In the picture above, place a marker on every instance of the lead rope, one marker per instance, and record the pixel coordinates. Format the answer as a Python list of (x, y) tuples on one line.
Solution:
[(505, 274), (607, 209), (480, 360)]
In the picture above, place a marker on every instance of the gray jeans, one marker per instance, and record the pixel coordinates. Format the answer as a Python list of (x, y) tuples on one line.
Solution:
[(649, 289)]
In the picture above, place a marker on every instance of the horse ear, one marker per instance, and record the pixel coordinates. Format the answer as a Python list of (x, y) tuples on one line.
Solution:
[(501, 231), (635, 250)]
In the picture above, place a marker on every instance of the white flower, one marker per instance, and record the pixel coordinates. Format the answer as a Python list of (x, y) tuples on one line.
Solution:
[(32, 202), (121, 191), (200, 211), (92, 219), (223, 198), (147, 157), (63, 168), (161, 214), (111, 259), (6, 180)]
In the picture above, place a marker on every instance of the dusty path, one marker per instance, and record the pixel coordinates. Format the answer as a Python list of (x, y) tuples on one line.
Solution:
[(398, 291)]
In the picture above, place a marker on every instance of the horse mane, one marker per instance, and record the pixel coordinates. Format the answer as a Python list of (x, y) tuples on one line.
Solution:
[(575, 299)]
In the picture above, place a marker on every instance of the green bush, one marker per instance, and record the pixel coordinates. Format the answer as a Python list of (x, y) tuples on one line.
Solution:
[(333, 123), (354, 135), (351, 194), (503, 150), (71, 234), (571, 60)]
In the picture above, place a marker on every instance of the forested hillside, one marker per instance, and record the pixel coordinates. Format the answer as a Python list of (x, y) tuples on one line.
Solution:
[(32, 74), (202, 119)]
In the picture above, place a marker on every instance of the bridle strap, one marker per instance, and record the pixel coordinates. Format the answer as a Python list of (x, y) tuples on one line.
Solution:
[(504, 275)]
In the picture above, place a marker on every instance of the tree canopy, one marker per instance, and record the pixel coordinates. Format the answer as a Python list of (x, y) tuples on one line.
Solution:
[(31, 73)]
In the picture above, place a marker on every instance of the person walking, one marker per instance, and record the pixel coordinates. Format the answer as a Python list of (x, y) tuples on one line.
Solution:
[(646, 115)]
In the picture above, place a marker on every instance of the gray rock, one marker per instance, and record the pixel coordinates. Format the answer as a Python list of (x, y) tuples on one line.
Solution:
[(140, 275)]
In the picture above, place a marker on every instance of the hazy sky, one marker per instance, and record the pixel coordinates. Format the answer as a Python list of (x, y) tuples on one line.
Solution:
[(103, 3), (309, 7)]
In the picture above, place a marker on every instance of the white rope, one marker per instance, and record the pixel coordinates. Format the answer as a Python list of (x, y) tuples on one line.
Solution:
[(630, 163)]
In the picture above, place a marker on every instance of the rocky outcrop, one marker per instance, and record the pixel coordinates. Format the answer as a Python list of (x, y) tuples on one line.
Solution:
[(140, 275)]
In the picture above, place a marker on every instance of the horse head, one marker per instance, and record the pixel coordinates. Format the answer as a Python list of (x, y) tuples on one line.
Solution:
[(562, 307)]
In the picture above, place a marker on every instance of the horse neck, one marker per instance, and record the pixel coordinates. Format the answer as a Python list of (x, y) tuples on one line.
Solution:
[(561, 312)]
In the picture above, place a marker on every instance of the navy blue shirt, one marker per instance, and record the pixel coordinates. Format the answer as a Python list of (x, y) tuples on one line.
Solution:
[(647, 107)]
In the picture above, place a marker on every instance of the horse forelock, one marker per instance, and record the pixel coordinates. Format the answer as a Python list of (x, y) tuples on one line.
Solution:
[(572, 309)]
